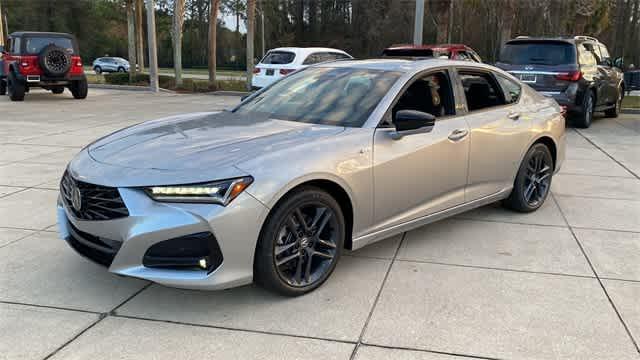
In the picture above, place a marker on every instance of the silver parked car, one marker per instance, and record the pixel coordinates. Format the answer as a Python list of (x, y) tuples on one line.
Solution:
[(110, 64), (334, 157)]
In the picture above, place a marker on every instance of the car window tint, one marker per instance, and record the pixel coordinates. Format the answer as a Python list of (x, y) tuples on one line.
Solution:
[(463, 56), (323, 95), (538, 52), (35, 44), (604, 53), (510, 89), (278, 57), (313, 58), (480, 90), (338, 56), (430, 94), (16, 46)]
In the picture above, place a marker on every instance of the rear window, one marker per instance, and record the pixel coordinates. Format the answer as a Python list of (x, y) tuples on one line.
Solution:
[(538, 52), (35, 44), (278, 57)]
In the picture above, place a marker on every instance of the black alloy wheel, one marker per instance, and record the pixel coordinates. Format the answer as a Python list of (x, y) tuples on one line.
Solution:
[(301, 243), (533, 180)]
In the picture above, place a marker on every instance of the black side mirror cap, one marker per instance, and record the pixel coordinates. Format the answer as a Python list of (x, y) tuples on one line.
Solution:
[(406, 120)]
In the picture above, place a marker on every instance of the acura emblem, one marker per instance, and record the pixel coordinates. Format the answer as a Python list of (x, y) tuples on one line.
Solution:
[(76, 198)]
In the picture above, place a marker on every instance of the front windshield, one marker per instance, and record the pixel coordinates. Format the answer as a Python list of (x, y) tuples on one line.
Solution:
[(323, 95)]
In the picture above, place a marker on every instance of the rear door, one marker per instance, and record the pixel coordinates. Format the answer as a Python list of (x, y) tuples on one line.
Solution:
[(549, 66), (498, 130)]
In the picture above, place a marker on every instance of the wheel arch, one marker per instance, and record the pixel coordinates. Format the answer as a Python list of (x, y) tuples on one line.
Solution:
[(550, 144), (334, 188)]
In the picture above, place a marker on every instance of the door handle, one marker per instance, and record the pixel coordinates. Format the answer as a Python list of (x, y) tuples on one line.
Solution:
[(458, 134), (514, 116)]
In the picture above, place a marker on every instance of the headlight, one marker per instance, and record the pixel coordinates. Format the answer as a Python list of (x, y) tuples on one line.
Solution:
[(217, 192)]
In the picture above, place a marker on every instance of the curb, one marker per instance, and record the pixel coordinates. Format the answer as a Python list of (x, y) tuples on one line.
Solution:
[(630, 111), (126, 87), (228, 93)]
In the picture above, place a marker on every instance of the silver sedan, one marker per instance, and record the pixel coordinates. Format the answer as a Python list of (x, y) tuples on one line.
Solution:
[(333, 157)]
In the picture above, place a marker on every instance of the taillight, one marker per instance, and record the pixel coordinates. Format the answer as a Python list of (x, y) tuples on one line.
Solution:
[(570, 76), (256, 70), (563, 111), (286, 71)]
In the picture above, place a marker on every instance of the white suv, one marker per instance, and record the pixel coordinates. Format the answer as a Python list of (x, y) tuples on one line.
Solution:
[(280, 62)]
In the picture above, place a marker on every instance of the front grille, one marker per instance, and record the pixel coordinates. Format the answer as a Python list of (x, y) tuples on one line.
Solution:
[(96, 202), (100, 250)]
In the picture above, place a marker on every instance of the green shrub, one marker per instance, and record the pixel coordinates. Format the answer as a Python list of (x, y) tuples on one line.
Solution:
[(169, 82)]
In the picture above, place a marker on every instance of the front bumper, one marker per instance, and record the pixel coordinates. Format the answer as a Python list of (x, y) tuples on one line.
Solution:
[(236, 228)]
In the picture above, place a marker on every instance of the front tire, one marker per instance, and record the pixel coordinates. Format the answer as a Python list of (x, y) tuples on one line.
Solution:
[(3, 87), (300, 243), (79, 88), (121, 69), (533, 181), (16, 88)]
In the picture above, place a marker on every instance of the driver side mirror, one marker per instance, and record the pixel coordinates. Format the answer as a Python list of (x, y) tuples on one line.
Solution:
[(408, 122), (618, 62)]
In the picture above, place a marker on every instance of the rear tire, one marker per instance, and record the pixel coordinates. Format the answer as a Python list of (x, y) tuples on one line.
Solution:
[(615, 111), (79, 88), (57, 90), (3, 87), (300, 243), (584, 119), (98, 70), (533, 181), (16, 88)]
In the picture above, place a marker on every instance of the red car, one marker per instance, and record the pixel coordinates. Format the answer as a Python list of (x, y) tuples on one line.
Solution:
[(41, 59), (451, 51)]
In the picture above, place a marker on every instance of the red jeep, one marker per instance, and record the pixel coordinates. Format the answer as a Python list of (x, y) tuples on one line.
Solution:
[(41, 59), (450, 51)]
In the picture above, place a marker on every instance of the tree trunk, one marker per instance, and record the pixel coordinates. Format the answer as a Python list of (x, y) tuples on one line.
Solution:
[(131, 38), (584, 10), (140, 35), (507, 19), (251, 25), (213, 23), (442, 17), (176, 38)]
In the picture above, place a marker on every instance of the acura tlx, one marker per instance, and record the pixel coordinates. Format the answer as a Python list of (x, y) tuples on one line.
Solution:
[(330, 158)]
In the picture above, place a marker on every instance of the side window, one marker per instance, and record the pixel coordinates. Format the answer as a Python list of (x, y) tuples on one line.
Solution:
[(16, 46), (339, 56), (430, 93), (463, 56), (312, 59), (606, 58), (510, 89), (475, 57), (586, 57), (480, 90)]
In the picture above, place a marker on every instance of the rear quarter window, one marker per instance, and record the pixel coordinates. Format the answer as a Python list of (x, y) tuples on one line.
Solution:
[(278, 58)]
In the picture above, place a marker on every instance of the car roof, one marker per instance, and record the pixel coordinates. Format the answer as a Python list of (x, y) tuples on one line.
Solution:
[(429, 47), (40, 33), (308, 50), (564, 39), (405, 65)]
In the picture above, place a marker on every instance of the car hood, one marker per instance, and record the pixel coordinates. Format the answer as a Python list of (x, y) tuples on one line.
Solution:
[(202, 140)]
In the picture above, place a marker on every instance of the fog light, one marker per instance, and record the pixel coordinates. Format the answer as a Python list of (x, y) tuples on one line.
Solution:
[(203, 263)]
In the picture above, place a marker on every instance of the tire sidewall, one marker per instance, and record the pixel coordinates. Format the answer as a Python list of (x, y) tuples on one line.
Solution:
[(520, 178), (265, 271), (587, 111)]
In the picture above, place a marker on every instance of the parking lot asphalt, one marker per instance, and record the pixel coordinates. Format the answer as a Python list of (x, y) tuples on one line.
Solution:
[(560, 283)]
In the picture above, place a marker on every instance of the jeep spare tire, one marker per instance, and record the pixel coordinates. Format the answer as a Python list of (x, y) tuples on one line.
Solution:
[(54, 60)]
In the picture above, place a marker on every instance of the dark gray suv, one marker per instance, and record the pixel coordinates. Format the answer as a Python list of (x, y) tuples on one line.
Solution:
[(577, 72)]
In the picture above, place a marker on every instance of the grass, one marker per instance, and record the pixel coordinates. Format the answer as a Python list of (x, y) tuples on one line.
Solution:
[(631, 102), (192, 71)]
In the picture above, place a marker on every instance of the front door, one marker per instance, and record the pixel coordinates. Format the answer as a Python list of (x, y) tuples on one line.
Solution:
[(421, 174)]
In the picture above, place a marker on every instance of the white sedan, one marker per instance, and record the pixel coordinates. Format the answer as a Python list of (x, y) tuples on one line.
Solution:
[(280, 62)]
